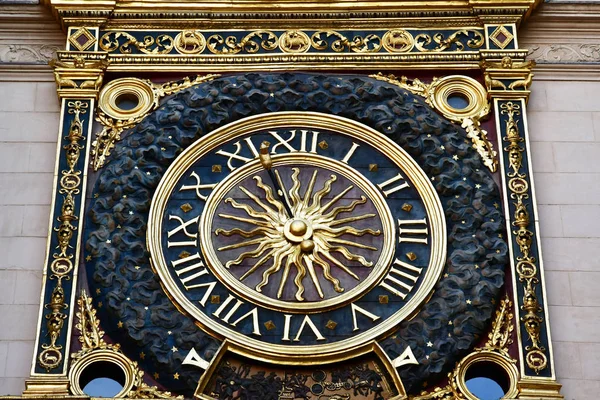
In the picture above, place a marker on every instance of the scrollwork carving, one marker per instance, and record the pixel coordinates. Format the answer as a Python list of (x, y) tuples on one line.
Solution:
[(565, 53), (526, 268), (192, 42), (70, 181), (250, 43), (475, 41), (321, 40), (161, 44), (31, 53)]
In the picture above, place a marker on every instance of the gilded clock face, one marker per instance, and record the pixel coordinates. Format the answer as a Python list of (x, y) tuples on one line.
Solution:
[(297, 234)]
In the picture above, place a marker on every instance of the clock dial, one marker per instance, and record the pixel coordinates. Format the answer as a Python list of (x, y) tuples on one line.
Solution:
[(334, 243), (328, 241)]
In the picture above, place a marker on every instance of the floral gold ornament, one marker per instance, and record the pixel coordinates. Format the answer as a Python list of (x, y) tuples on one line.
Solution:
[(251, 43), (321, 40), (70, 182), (193, 42), (51, 355), (125, 42), (96, 351), (526, 267), (453, 43)]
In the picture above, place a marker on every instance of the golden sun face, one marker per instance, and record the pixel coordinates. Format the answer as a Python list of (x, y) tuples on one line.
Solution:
[(300, 244), (305, 235)]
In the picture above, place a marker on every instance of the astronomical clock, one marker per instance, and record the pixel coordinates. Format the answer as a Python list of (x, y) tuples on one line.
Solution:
[(277, 201)]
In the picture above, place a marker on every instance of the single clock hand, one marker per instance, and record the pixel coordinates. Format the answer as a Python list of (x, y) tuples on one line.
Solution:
[(267, 163)]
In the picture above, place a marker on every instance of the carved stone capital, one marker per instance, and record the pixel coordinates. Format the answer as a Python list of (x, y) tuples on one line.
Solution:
[(508, 78), (78, 76)]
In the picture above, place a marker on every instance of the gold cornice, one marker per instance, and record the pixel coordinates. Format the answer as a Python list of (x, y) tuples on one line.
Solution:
[(153, 13)]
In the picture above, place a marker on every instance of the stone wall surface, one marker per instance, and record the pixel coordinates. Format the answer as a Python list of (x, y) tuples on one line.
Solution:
[(29, 118), (564, 126)]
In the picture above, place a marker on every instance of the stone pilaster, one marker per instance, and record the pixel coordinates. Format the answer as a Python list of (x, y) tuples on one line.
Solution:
[(78, 82), (508, 80)]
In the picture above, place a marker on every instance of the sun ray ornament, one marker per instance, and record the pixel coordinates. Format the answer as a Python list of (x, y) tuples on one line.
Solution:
[(299, 238)]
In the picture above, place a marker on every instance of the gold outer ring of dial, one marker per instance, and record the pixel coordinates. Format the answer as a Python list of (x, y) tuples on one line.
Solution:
[(378, 269), (299, 354)]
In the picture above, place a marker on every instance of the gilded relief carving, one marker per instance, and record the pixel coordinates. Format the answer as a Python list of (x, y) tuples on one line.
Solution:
[(475, 40), (190, 42), (76, 73), (514, 74), (70, 182), (526, 264)]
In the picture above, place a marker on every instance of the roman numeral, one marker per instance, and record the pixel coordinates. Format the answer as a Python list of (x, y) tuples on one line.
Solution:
[(412, 234), (407, 357), (357, 309), (236, 155), (188, 269), (304, 134), (238, 303), (183, 226), (306, 322), (395, 280), (198, 186), (350, 152), (396, 183)]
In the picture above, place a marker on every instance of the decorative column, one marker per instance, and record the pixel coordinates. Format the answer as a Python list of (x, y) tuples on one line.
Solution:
[(78, 77), (508, 77)]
